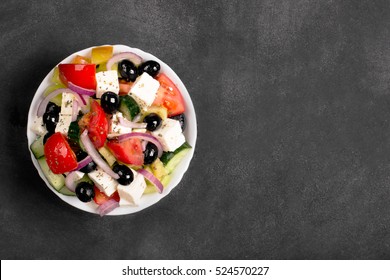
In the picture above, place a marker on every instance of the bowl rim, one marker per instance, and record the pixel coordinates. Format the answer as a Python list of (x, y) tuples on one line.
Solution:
[(190, 134)]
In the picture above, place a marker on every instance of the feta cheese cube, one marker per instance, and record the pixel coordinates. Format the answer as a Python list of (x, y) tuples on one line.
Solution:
[(63, 123), (67, 103), (103, 181), (144, 90), (38, 127), (131, 194), (65, 116), (170, 135), (115, 127), (106, 81)]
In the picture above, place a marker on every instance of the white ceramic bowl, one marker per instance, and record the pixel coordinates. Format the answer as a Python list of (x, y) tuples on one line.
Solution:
[(190, 135)]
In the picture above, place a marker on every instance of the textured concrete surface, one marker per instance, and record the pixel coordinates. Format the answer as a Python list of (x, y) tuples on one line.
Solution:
[(293, 153)]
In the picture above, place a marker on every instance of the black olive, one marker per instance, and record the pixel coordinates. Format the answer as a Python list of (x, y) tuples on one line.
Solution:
[(109, 102), (80, 155), (151, 67), (153, 121), (47, 135), (52, 108), (126, 176), (85, 192), (182, 119), (127, 70), (50, 119), (150, 153)]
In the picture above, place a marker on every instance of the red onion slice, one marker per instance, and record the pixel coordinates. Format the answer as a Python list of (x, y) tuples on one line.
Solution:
[(81, 90), (90, 148), (130, 124), (70, 181), (142, 136), (121, 56), (107, 207), (152, 179), (84, 162)]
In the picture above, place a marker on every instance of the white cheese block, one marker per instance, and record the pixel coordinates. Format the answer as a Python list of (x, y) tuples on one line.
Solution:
[(115, 127), (38, 127), (170, 135), (65, 116), (67, 103), (63, 123), (103, 181), (144, 90), (106, 81), (131, 194)]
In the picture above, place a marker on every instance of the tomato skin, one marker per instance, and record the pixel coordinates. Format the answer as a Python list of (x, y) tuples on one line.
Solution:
[(100, 197), (124, 87), (82, 75), (128, 151), (97, 124), (169, 96), (59, 156)]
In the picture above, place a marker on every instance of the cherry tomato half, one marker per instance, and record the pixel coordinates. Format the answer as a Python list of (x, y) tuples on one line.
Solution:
[(59, 156), (169, 96), (128, 151), (96, 123)]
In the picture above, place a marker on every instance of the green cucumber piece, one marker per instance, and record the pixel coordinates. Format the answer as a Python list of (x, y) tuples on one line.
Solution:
[(128, 107), (74, 131), (175, 160), (167, 156), (37, 147), (65, 191), (57, 181)]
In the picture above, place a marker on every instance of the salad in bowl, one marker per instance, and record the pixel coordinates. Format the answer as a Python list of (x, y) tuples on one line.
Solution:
[(111, 130)]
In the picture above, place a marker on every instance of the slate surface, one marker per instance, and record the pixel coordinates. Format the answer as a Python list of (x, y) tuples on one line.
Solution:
[(293, 152)]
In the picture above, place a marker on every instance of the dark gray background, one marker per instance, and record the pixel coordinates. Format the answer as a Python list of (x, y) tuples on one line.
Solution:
[(293, 107)]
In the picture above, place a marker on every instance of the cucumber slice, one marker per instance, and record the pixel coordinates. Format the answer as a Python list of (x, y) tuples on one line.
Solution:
[(159, 110), (37, 147), (107, 155), (175, 160), (65, 191), (167, 156), (74, 131), (128, 107), (56, 180), (152, 189)]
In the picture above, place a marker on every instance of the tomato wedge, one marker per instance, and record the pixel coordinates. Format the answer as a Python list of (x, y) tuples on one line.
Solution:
[(128, 151), (169, 96), (59, 156), (82, 75), (100, 197), (96, 123)]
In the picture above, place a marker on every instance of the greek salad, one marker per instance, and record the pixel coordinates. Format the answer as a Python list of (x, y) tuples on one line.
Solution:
[(109, 129)]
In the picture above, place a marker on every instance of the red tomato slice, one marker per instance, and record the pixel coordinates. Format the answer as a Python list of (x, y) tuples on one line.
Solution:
[(59, 156), (101, 197), (82, 75), (124, 87), (128, 151), (169, 96), (96, 123)]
